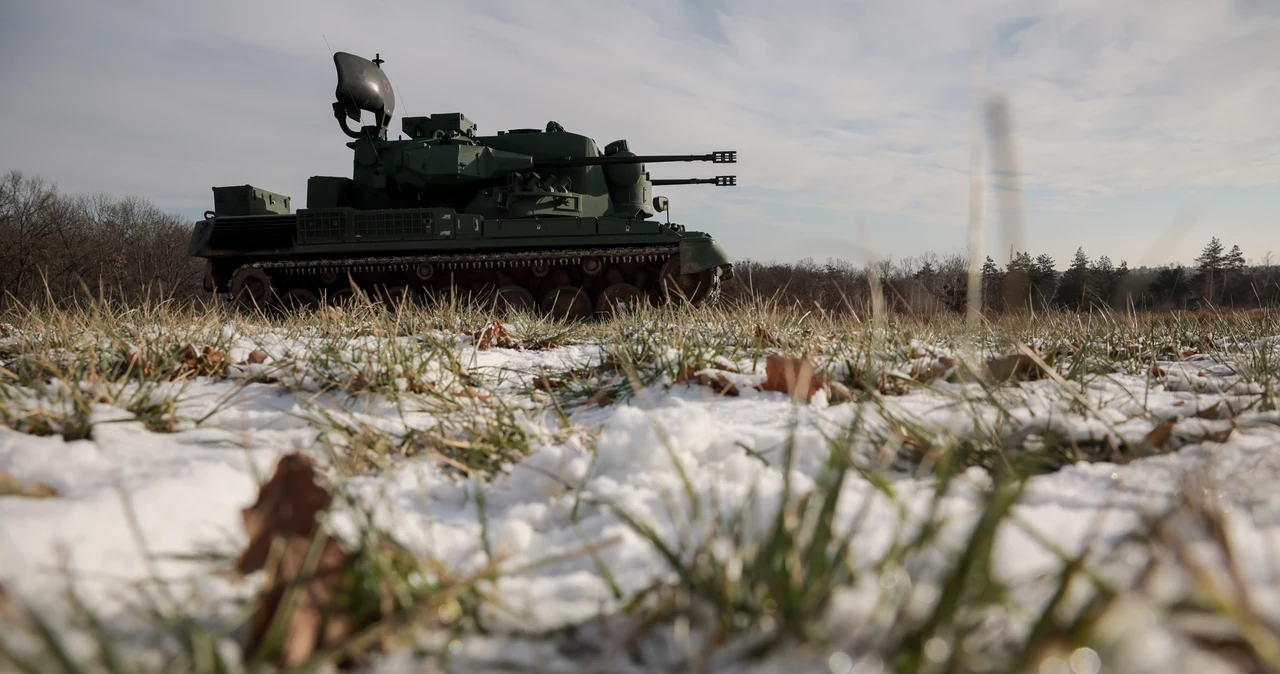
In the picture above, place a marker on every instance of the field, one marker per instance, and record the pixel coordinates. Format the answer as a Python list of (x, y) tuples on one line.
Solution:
[(744, 488)]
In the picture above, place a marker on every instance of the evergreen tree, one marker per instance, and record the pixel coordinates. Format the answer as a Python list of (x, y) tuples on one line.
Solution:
[(1016, 287), (1210, 264), (1121, 272), (1044, 280), (1170, 286), (990, 269), (1073, 287), (992, 278), (1211, 256), (1234, 261), (1235, 279), (1102, 282)]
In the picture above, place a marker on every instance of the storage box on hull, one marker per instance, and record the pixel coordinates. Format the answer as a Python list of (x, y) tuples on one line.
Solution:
[(248, 200)]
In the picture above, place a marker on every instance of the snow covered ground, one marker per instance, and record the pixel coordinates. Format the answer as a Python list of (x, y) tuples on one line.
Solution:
[(134, 497)]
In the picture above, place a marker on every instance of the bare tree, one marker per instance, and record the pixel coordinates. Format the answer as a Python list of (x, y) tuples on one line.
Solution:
[(57, 247)]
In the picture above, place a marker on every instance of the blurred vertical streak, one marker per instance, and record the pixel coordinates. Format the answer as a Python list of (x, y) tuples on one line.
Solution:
[(1008, 195), (873, 284), (973, 298), (1004, 170)]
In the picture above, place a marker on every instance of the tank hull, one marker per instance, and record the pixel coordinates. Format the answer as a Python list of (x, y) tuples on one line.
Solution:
[(320, 256)]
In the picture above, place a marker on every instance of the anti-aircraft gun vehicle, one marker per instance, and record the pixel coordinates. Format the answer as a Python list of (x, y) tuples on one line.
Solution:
[(535, 219)]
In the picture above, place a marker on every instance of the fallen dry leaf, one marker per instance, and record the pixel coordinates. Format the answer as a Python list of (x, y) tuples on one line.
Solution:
[(544, 383), (1158, 437), (725, 364), (794, 376), (1157, 371), (287, 505), (10, 486), (765, 337), (717, 382), (139, 364), (925, 371), (255, 357), (1018, 366), (472, 392), (601, 397), (207, 362), (493, 334), (839, 393), (281, 526), (687, 373), (1214, 412)]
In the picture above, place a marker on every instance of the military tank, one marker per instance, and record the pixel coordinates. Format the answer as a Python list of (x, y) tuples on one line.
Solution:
[(533, 219)]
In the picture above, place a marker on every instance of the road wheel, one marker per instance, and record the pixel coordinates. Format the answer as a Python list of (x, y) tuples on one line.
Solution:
[(617, 296), (512, 299), (567, 303), (401, 294), (342, 297), (692, 288), (301, 299), (251, 287)]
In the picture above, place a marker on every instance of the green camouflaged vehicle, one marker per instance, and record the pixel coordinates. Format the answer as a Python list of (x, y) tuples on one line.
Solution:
[(536, 219)]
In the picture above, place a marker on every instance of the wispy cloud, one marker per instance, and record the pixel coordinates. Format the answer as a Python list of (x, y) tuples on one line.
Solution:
[(838, 110)]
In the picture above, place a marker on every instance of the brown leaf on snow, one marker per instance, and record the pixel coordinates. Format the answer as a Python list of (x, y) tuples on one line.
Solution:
[(1018, 366), (207, 362), (839, 393), (473, 393), (544, 383), (923, 370), (255, 357), (1217, 411), (10, 486), (765, 337), (1157, 371), (282, 525), (493, 334), (1158, 437), (139, 364), (687, 373), (794, 376), (717, 382), (288, 505), (601, 398)]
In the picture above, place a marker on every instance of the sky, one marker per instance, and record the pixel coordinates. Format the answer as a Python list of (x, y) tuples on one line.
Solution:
[(1137, 129)]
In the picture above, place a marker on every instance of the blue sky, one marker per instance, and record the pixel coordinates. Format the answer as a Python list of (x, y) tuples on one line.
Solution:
[(852, 120)]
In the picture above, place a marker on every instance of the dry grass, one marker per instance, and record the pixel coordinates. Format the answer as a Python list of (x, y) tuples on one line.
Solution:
[(747, 595)]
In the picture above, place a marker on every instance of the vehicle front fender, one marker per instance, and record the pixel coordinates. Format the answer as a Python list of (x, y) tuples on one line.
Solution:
[(200, 236), (699, 253)]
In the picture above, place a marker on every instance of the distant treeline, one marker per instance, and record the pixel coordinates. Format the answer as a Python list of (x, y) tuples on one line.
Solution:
[(931, 283), (61, 246)]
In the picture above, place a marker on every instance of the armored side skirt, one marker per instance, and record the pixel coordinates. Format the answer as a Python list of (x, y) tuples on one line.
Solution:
[(345, 232)]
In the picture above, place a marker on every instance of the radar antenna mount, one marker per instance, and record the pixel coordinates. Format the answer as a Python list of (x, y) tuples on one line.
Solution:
[(362, 86)]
